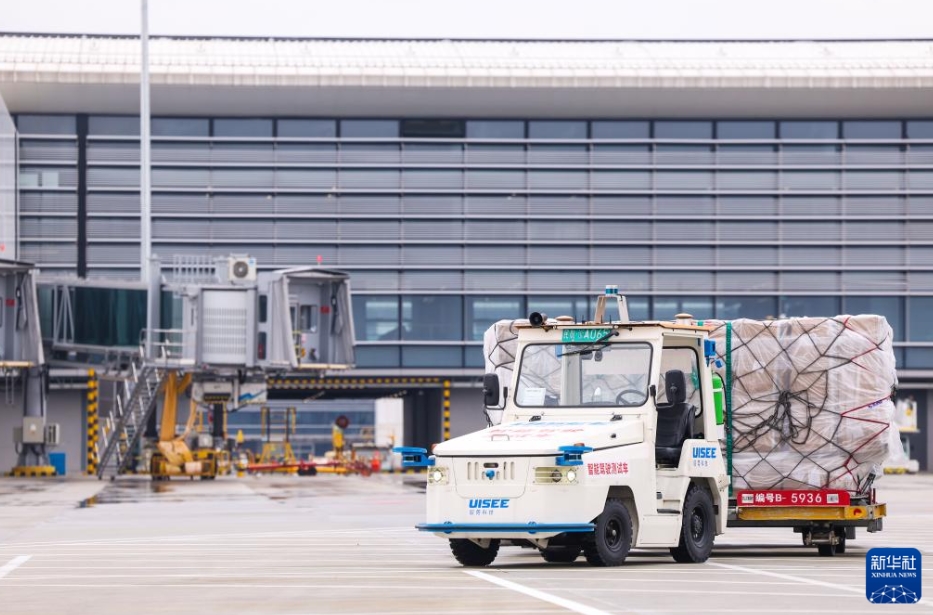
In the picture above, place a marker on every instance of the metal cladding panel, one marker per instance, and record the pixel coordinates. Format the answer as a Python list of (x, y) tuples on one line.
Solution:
[(49, 202), (540, 255), (874, 281), (433, 205), (748, 206), (621, 155), (126, 229), (811, 206), (739, 282), (876, 256), (180, 152), (743, 256), (306, 152), (178, 204), (828, 256), (112, 177), (224, 327), (50, 151), (809, 281), (495, 205), (477, 153), (432, 153)]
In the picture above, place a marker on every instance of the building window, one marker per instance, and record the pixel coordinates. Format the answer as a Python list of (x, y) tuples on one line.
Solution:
[(557, 130), (307, 128), (433, 129), (920, 129), (432, 356), (376, 317), (481, 129), (432, 317), (920, 325), (552, 307), (745, 130), (379, 129), (180, 127), (871, 130), (377, 356), (242, 128), (621, 130), (798, 307), (683, 130), (892, 308), (666, 308), (46, 124), (758, 308), (113, 125), (482, 312), (809, 130)]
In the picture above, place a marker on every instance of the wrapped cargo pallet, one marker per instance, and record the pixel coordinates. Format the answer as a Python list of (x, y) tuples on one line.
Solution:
[(810, 400)]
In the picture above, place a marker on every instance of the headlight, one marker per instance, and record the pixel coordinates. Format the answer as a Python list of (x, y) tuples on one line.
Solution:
[(552, 475), (437, 475)]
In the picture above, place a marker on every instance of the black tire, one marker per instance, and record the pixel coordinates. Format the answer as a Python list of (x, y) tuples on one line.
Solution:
[(561, 555), (826, 550), (612, 540), (841, 535), (468, 553), (698, 530)]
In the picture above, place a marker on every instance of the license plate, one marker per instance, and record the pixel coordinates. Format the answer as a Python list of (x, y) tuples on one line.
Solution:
[(584, 336), (825, 497)]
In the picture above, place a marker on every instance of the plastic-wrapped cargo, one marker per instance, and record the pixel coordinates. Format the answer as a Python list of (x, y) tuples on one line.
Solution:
[(500, 343), (810, 400)]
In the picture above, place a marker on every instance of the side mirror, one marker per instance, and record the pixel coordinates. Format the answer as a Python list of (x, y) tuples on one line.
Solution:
[(491, 390), (653, 391)]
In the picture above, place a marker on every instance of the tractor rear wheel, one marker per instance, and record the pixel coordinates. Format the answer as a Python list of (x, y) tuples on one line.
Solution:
[(698, 528)]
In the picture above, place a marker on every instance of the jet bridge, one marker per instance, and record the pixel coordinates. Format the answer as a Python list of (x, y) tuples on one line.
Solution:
[(220, 321), (23, 368)]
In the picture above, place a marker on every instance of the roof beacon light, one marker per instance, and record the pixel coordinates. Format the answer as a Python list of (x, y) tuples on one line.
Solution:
[(612, 289)]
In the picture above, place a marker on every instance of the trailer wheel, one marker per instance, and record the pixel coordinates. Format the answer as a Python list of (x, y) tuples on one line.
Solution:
[(612, 540), (468, 553), (697, 531), (841, 534), (827, 550), (561, 555)]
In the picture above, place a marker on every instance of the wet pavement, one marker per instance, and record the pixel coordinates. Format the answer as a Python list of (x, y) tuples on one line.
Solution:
[(342, 545)]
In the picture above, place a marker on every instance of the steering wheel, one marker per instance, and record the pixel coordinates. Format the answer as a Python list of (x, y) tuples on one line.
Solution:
[(642, 397)]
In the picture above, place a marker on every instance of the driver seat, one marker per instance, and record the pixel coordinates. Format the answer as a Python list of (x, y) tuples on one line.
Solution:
[(675, 420)]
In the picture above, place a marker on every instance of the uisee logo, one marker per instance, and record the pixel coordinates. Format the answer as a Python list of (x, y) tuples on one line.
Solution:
[(704, 452), (490, 503)]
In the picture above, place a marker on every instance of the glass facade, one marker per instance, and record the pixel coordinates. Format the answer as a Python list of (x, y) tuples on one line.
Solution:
[(447, 225)]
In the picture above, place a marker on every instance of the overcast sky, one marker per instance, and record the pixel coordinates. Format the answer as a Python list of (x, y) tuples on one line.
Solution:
[(575, 19)]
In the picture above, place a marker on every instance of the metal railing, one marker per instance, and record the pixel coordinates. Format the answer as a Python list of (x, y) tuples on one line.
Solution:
[(193, 268)]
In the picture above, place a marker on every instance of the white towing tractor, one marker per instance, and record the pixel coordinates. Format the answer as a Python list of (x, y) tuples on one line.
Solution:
[(609, 441)]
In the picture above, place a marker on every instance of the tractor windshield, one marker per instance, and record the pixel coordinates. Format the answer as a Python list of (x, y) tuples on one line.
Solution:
[(588, 374)]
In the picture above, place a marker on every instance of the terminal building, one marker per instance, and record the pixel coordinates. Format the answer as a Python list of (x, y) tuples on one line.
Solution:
[(462, 182)]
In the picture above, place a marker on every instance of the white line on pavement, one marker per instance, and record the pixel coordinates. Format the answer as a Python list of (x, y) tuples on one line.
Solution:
[(788, 577), (540, 595), (13, 564)]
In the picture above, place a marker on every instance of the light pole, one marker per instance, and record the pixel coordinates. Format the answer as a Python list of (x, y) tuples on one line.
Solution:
[(145, 188)]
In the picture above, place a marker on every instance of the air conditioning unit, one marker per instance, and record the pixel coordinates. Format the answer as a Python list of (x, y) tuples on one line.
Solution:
[(241, 269)]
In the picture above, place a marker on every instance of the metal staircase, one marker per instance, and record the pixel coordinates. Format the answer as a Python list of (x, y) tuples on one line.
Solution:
[(136, 400)]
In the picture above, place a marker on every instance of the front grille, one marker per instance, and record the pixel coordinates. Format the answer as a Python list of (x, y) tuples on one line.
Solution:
[(504, 471)]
